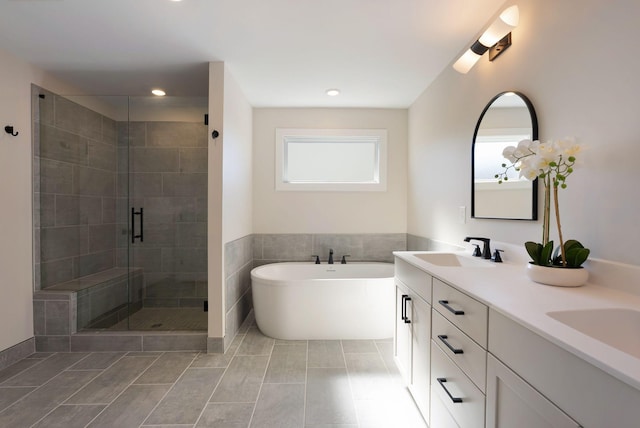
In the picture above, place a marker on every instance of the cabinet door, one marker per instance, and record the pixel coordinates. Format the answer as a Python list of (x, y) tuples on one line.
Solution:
[(402, 350), (511, 402), (421, 358)]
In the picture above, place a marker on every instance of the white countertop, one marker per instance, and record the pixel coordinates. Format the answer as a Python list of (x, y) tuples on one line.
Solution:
[(505, 288)]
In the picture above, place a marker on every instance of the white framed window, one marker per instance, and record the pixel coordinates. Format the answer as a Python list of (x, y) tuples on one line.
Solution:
[(331, 159)]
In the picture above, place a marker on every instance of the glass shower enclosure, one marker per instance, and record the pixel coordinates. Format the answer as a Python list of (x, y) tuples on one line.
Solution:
[(121, 208)]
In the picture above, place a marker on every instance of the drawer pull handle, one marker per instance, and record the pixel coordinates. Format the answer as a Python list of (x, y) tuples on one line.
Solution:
[(441, 381), (445, 303), (404, 307), (443, 338)]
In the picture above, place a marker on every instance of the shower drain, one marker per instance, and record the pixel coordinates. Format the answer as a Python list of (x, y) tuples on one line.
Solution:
[(156, 325)]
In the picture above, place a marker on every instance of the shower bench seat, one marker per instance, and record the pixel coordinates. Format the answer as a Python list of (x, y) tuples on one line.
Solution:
[(99, 300)]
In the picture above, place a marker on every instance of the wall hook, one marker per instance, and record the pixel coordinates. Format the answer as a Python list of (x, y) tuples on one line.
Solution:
[(9, 130)]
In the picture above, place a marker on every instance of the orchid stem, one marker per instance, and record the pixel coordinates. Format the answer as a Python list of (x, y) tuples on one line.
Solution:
[(555, 201)]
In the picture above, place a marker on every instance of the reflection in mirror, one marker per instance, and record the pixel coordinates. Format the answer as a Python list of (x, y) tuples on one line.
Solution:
[(507, 119)]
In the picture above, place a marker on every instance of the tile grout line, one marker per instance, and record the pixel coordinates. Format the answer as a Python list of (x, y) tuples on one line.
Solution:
[(69, 396), (168, 389), (103, 371), (235, 352), (306, 381), (37, 387), (2, 385), (264, 375), (346, 369)]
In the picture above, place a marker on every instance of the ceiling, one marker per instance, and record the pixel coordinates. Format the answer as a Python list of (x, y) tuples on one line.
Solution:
[(282, 53)]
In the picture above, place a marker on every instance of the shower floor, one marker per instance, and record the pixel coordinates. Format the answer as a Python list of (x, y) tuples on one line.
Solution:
[(164, 319)]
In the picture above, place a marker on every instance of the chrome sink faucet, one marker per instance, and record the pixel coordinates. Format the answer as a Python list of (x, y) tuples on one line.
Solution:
[(486, 250), (330, 256)]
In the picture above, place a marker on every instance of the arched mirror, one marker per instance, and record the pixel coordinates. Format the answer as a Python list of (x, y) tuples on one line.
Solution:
[(507, 119)]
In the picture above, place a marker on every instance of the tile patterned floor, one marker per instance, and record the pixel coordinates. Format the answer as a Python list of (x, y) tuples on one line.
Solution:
[(260, 382)]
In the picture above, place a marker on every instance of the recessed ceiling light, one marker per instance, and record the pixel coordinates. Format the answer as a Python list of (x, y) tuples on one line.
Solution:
[(333, 92), (158, 92)]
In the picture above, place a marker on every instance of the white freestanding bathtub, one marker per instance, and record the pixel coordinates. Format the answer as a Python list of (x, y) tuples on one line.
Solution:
[(306, 301)]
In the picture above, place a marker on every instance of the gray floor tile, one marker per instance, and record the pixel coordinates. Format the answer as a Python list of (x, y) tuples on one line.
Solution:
[(329, 398), (386, 352), (167, 368), (288, 364), (369, 376), (345, 384), (17, 368), (280, 406), (187, 398), (242, 380), (396, 409), (132, 407), (331, 426), (29, 410), (359, 346), (218, 360), (226, 415), (47, 369), (106, 387), (97, 361), (10, 395), (255, 343), (40, 355), (325, 354), (74, 416)]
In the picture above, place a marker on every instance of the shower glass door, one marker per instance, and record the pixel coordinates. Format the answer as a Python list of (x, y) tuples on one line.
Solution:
[(164, 161), (120, 214)]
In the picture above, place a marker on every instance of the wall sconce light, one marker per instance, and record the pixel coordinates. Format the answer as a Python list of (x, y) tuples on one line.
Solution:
[(497, 37)]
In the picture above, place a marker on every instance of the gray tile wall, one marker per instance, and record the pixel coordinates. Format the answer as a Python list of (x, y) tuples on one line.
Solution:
[(419, 243), (162, 166), (375, 247), (74, 190), (238, 262)]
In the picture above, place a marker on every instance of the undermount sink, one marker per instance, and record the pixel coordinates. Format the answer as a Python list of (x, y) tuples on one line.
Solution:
[(453, 260), (617, 327)]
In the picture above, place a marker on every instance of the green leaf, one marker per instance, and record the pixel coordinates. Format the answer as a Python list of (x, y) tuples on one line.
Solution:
[(576, 256), (545, 255), (535, 250)]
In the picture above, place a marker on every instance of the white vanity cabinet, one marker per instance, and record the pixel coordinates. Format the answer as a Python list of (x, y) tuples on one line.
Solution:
[(563, 389), (458, 358), (413, 331), (511, 402)]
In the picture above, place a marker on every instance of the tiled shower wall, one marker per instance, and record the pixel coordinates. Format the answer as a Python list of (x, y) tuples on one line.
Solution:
[(74, 190), (164, 166)]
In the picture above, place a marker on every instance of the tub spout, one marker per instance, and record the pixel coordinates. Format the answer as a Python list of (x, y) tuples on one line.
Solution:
[(330, 256)]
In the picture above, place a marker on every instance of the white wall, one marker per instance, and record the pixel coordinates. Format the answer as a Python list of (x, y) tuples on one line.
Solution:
[(576, 61), (328, 212), (16, 255), (237, 173), (230, 181)]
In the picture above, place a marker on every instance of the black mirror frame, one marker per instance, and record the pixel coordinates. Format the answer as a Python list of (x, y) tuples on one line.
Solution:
[(534, 136)]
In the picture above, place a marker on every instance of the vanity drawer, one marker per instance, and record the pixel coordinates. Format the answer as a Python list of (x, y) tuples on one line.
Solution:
[(416, 279), (440, 416), (464, 401), (464, 312), (466, 353)]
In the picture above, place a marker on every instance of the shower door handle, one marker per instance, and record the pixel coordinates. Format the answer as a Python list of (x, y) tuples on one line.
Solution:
[(134, 213)]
